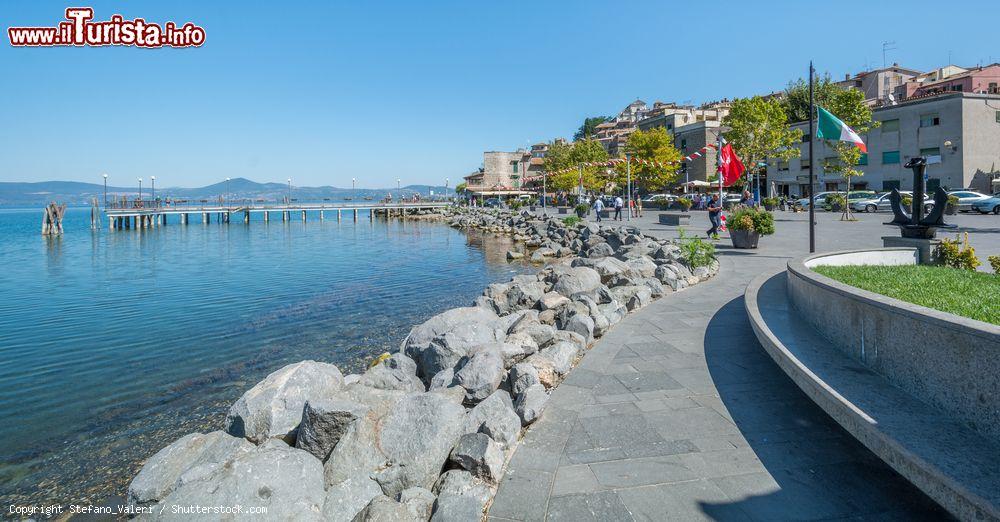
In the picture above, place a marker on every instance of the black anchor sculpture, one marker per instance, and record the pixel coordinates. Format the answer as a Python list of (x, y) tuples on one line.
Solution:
[(914, 224)]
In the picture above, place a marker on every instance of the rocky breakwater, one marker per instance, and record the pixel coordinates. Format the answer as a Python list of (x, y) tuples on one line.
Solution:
[(425, 433)]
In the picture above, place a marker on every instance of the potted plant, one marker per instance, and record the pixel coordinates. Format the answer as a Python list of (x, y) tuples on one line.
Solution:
[(770, 204), (582, 210), (952, 207), (684, 204), (747, 224)]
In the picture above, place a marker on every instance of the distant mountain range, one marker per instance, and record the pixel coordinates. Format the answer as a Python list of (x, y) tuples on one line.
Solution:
[(75, 193)]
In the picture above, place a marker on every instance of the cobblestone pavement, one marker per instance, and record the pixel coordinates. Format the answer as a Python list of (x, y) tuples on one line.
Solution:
[(679, 414)]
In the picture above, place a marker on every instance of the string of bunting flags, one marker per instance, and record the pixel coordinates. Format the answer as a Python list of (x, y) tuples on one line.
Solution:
[(616, 161)]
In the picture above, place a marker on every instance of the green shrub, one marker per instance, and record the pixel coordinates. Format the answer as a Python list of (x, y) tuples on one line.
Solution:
[(958, 253), (515, 204), (906, 200), (695, 251), (994, 263), (770, 202), (684, 203), (582, 208), (752, 219), (571, 220), (952, 200), (836, 199)]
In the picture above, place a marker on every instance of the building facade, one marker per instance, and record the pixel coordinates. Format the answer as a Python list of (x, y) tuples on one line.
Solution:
[(501, 174), (958, 132)]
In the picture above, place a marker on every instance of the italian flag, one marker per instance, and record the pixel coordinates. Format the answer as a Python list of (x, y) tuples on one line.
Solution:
[(831, 128)]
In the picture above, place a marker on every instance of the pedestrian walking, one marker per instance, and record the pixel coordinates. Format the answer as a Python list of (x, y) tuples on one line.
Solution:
[(618, 208), (747, 199), (714, 213), (598, 207)]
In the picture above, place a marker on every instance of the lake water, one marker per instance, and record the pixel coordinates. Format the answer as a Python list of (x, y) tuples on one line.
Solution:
[(113, 344)]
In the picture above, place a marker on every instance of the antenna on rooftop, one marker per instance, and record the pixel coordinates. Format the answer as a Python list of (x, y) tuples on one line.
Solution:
[(887, 46)]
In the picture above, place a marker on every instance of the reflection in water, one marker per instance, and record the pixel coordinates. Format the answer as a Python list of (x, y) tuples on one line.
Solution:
[(103, 363)]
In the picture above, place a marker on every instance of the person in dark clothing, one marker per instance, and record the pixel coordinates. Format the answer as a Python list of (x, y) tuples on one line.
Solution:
[(714, 213)]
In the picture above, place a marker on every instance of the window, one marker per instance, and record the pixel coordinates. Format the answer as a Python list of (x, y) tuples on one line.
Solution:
[(684, 144), (933, 151), (890, 126), (890, 184), (805, 164), (993, 89), (957, 88), (929, 120), (890, 157), (514, 163), (863, 160), (806, 137), (782, 165)]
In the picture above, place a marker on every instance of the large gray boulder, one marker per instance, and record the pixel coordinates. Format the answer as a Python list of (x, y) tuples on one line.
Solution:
[(385, 509), (287, 482), (521, 376), (576, 280), (480, 455), (196, 454), (581, 323), (273, 407), (419, 501), (398, 372), (496, 418), (348, 498), (641, 267), (324, 423), (461, 497), (481, 372), (444, 339), (417, 436), (531, 403)]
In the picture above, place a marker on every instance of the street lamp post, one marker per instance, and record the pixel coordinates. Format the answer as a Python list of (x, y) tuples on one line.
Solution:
[(628, 184), (227, 192), (105, 190), (152, 181), (140, 191), (288, 199), (354, 189), (446, 195)]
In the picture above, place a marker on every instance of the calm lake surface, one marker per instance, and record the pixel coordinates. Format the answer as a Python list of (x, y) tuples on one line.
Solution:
[(113, 344)]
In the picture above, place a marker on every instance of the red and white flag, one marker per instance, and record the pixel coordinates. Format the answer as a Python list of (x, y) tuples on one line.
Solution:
[(730, 166)]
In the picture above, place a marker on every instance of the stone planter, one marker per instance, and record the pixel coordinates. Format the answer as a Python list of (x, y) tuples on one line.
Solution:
[(950, 209), (563, 210), (744, 238), (581, 214), (674, 219), (769, 208)]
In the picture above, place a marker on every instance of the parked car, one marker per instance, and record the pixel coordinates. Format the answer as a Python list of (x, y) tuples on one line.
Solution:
[(966, 198), (655, 198), (874, 204), (818, 198), (492, 202), (983, 206)]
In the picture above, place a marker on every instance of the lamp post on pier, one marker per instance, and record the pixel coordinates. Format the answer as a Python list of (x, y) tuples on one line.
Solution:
[(152, 180), (446, 194), (227, 192), (354, 188), (140, 191), (105, 190), (288, 199)]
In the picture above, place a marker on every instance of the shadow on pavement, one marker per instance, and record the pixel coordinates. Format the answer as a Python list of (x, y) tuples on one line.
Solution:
[(813, 468)]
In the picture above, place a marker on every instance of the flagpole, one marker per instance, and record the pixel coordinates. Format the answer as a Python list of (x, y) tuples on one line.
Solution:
[(812, 166)]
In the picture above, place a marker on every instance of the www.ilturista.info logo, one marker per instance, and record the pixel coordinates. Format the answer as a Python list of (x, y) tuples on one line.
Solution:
[(79, 30)]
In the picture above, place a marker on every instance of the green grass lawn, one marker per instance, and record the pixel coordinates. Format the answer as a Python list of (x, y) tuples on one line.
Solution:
[(960, 292)]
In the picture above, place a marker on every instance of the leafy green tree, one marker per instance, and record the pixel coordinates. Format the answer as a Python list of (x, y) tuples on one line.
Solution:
[(562, 161), (655, 145), (796, 96), (849, 106), (588, 129), (759, 130), (460, 188)]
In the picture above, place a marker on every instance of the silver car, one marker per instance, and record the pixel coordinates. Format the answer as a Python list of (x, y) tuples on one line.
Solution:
[(875, 204), (966, 198)]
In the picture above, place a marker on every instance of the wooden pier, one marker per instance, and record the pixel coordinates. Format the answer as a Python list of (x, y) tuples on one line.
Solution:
[(153, 214)]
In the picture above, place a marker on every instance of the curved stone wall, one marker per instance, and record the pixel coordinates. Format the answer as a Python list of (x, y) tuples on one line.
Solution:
[(951, 362)]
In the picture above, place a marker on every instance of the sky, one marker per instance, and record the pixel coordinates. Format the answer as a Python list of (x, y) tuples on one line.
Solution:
[(326, 91)]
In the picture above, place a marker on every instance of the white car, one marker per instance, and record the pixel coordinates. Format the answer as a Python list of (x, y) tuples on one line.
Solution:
[(652, 198), (966, 198), (819, 198)]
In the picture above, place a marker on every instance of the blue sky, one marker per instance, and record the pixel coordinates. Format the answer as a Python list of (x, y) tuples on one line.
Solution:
[(325, 91)]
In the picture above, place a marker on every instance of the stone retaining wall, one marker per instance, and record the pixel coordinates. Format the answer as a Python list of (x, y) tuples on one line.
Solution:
[(949, 361)]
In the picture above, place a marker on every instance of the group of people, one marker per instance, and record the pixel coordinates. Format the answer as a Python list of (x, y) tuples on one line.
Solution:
[(635, 207)]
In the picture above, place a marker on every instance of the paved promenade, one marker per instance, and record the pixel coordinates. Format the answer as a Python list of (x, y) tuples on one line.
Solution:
[(679, 414)]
